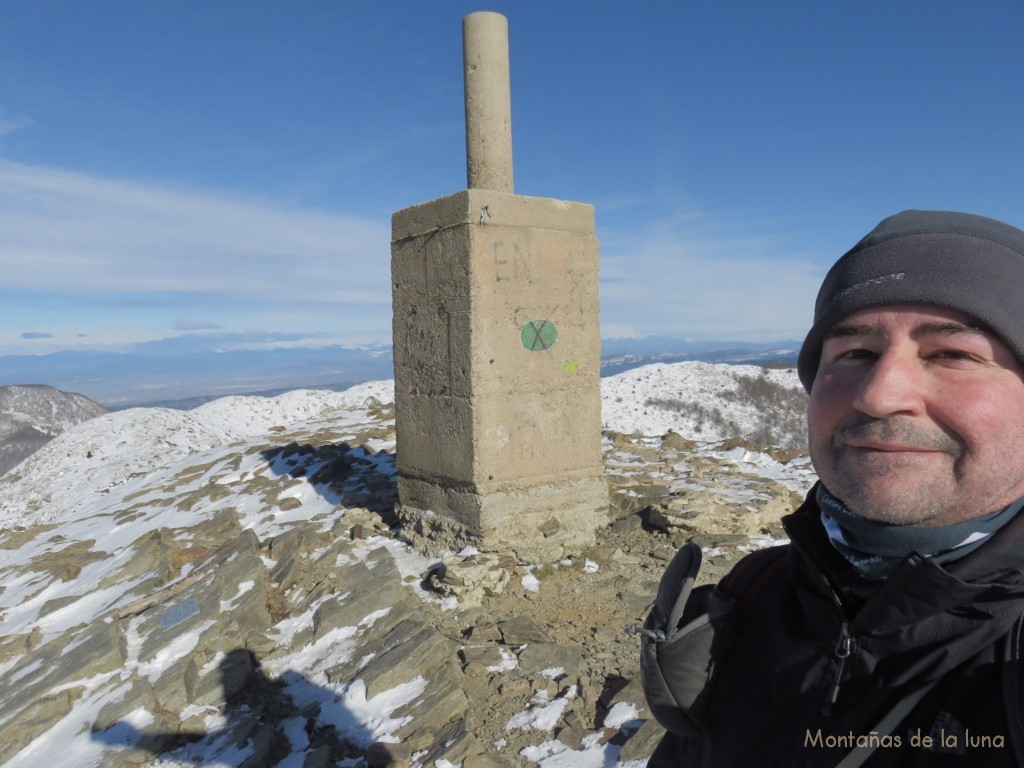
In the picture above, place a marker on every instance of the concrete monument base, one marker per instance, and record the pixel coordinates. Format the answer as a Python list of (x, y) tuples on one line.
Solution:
[(539, 524)]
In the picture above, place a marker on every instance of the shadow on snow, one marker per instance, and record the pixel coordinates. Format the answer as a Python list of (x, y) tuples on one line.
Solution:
[(342, 474), (259, 721)]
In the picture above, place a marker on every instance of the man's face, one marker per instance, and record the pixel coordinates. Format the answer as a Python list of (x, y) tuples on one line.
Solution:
[(917, 416)]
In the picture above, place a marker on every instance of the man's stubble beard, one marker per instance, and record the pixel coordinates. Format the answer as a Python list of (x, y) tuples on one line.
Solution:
[(891, 488)]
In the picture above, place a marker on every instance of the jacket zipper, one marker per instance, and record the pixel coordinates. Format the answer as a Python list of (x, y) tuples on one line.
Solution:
[(846, 645), (844, 649)]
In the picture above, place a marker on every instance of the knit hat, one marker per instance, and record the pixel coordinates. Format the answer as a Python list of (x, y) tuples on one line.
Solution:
[(957, 260)]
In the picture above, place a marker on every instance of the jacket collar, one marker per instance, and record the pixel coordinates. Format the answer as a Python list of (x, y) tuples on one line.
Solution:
[(947, 614)]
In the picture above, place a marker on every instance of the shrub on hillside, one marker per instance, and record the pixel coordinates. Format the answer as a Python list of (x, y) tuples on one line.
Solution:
[(780, 412)]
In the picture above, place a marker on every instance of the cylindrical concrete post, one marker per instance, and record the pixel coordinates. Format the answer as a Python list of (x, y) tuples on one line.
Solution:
[(488, 101)]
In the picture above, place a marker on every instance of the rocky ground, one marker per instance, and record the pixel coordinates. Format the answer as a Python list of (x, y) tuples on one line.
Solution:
[(585, 607), (254, 605)]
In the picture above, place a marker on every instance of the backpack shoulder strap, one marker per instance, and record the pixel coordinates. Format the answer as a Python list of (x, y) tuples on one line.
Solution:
[(858, 755), (753, 573), (1013, 686), (689, 632)]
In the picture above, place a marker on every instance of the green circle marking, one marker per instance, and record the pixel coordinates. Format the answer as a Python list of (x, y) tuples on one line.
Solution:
[(538, 335)]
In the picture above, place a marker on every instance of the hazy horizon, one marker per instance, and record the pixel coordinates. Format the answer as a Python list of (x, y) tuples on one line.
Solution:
[(162, 373)]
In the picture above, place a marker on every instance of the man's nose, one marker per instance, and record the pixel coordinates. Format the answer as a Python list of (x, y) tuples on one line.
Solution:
[(892, 385)]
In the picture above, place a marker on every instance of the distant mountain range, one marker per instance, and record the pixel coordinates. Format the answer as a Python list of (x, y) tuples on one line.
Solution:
[(618, 355), (32, 415), (170, 374), (185, 378)]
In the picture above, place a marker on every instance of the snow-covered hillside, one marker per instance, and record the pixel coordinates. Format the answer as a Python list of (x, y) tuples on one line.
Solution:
[(123, 447), (126, 446), (31, 415), (707, 402), (238, 499)]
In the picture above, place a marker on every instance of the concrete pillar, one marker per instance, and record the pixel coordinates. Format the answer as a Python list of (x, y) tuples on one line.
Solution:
[(488, 101), (497, 365)]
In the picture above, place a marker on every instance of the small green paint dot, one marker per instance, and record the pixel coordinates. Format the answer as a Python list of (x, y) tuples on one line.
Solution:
[(538, 335), (571, 366)]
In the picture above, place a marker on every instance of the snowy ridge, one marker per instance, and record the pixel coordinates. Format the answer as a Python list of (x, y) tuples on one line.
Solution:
[(32, 415), (111, 450), (45, 408), (624, 398), (113, 488), (119, 447)]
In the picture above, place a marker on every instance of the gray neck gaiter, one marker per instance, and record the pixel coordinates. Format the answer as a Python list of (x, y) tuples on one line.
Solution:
[(876, 549)]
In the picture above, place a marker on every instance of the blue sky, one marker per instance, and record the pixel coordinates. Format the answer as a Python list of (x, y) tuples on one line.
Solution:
[(229, 169)]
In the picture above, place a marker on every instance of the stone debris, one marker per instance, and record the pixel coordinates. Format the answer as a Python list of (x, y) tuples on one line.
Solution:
[(521, 630), (471, 577), (200, 625)]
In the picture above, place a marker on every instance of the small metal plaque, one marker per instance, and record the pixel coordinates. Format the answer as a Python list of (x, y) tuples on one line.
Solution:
[(179, 613)]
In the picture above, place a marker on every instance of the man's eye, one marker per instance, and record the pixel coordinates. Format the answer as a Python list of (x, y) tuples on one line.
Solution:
[(952, 354), (856, 354)]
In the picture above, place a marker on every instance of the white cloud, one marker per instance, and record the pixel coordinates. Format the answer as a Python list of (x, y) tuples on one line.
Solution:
[(67, 231), (11, 123), (699, 276), (685, 273), (613, 330), (196, 325)]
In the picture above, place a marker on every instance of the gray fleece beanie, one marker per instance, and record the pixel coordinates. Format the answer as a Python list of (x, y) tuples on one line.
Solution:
[(956, 260)]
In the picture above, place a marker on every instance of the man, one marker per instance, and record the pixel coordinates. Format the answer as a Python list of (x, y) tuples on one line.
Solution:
[(888, 632)]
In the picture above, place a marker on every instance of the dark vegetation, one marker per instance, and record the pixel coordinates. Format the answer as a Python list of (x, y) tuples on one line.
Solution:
[(781, 412)]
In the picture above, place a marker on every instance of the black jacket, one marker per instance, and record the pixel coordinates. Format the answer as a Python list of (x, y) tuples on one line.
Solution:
[(821, 656)]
